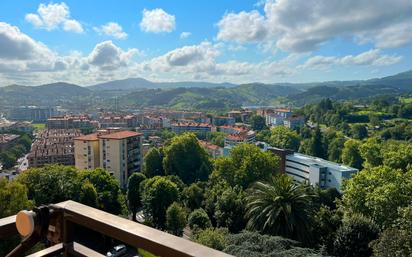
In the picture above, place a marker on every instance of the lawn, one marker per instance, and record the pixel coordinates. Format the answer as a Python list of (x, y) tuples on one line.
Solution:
[(39, 126), (405, 100)]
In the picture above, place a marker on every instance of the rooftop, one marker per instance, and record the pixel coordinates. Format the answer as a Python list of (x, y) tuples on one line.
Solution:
[(120, 135), (319, 161)]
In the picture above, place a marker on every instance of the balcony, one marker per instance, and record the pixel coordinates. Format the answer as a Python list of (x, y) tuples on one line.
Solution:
[(67, 224)]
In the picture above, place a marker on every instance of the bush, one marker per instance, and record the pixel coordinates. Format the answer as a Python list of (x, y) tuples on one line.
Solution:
[(199, 219)]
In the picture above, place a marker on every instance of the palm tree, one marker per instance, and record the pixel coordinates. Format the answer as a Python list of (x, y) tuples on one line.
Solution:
[(280, 207)]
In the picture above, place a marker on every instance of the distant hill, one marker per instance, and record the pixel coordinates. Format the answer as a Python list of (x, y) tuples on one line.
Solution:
[(209, 98), (139, 83), (138, 92), (47, 94)]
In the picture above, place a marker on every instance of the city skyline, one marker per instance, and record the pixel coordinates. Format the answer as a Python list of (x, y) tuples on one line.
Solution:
[(251, 41)]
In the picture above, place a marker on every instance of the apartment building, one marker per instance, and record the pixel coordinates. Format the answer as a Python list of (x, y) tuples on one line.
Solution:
[(244, 137), (223, 120), (32, 113), (71, 122), (110, 120), (294, 121), (119, 152), (214, 150), (194, 127), (54, 146), (314, 170)]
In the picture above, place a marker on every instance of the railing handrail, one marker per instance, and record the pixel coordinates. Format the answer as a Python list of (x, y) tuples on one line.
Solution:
[(124, 230)]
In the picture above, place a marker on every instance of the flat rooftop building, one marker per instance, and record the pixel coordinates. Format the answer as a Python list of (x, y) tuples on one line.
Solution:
[(314, 170)]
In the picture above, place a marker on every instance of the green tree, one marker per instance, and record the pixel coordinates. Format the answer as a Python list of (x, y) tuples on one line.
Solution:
[(245, 164), (218, 138), (110, 198), (397, 155), (185, 158), (359, 131), (280, 207), (317, 147), (158, 193), (258, 122), (50, 184), (193, 196), (377, 193), (230, 210), (176, 219), (153, 163), (284, 137), (13, 198), (325, 225), (396, 241), (88, 194), (133, 193), (370, 151), (351, 154), (335, 149), (8, 159), (198, 219), (215, 238), (353, 237)]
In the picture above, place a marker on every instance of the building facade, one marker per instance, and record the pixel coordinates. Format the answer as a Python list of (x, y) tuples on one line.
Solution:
[(118, 152), (313, 170)]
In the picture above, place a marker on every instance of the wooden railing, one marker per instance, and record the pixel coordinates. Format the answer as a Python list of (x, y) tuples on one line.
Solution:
[(74, 215)]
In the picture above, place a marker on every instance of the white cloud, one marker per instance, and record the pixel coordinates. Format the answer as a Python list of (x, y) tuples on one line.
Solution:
[(108, 56), (157, 20), (242, 27), (16, 45), (52, 16), (372, 57), (73, 25), (112, 29), (185, 34), (304, 25)]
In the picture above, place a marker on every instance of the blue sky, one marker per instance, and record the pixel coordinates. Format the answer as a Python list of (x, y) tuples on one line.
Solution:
[(86, 42)]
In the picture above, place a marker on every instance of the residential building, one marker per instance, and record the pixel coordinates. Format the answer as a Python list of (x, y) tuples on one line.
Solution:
[(7, 140), (276, 117), (110, 120), (119, 152), (235, 139), (313, 170), (71, 122), (223, 120), (20, 126), (294, 121), (214, 150), (194, 127), (32, 113), (53, 146)]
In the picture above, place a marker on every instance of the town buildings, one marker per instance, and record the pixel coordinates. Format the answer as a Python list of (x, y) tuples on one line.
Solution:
[(32, 113), (7, 140), (223, 120), (313, 170), (201, 129), (20, 126), (214, 150), (53, 146), (111, 120), (71, 122), (119, 152)]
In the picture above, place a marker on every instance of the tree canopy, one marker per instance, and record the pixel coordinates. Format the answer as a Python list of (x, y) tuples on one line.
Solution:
[(185, 158)]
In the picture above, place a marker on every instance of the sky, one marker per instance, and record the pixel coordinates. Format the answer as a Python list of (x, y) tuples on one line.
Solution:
[(269, 41)]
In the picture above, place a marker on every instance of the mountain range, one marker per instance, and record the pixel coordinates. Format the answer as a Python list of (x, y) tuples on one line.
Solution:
[(138, 92)]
